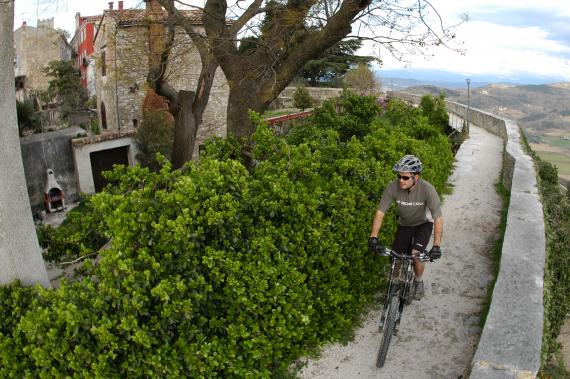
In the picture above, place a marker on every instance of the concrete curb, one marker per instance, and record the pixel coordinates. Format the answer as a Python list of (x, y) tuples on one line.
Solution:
[(511, 340)]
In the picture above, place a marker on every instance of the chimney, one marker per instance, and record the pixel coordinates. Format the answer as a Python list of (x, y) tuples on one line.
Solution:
[(110, 5), (24, 23), (120, 6)]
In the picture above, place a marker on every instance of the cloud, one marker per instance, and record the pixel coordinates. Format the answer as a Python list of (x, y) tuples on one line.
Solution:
[(509, 39), (556, 25), (63, 11)]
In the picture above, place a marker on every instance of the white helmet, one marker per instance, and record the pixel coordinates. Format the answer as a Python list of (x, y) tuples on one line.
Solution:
[(409, 163)]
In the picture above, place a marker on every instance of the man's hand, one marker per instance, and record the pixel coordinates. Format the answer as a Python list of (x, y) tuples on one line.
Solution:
[(435, 252), (375, 247)]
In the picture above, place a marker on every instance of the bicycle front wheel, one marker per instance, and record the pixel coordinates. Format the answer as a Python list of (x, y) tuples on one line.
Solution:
[(388, 330)]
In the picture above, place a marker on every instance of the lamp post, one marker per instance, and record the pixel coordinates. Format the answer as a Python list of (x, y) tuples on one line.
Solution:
[(468, 105)]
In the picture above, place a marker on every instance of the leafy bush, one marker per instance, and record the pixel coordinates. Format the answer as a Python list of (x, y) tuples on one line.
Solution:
[(65, 87), (435, 110), (94, 126), (547, 172), (155, 135), (217, 270), (28, 117), (556, 208), (302, 99), (351, 115), (81, 233)]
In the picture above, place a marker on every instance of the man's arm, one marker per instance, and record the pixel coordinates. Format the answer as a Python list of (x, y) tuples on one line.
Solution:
[(437, 230), (377, 223)]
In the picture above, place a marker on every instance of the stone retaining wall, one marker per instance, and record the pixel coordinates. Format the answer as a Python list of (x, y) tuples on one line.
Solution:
[(320, 94), (511, 340)]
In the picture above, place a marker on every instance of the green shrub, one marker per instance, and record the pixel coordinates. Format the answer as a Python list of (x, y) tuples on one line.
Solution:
[(155, 135), (217, 270), (351, 115), (94, 126), (28, 117), (435, 110), (302, 99), (81, 233), (547, 172), (556, 209)]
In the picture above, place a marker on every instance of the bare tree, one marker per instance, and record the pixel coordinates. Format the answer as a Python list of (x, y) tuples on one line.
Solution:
[(362, 80), (288, 33), (20, 254), (187, 107)]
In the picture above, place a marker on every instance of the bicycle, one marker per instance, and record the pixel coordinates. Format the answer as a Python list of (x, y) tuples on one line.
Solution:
[(397, 295)]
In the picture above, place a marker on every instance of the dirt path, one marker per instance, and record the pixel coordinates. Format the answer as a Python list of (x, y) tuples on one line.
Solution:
[(438, 335)]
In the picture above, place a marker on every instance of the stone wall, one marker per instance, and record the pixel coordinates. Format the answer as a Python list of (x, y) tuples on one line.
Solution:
[(511, 340), (49, 150), (285, 99)]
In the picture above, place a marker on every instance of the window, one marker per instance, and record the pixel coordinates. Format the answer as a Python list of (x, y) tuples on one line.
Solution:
[(103, 116), (135, 122), (103, 64)]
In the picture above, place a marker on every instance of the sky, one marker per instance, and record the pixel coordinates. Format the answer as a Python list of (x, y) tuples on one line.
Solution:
[(504, 40)]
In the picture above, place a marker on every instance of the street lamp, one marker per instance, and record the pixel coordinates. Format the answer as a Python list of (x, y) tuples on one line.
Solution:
[(468, 105)]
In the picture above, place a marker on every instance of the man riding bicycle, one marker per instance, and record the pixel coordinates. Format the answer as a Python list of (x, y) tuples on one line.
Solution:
[(413, 196)]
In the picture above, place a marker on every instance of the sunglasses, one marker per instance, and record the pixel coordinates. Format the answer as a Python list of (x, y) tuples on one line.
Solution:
[(404, 177)]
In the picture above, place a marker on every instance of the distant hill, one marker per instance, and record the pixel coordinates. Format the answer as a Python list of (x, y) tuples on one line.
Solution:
[(542, 111), (538, 109)]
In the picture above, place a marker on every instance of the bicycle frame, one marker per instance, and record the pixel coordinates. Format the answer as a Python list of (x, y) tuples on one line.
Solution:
[(396, 297), (404, 289)]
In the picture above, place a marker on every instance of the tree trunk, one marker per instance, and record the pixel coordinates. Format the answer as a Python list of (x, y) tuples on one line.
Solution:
[(185, 130), (243, 98), (20, 254), (187, 107)]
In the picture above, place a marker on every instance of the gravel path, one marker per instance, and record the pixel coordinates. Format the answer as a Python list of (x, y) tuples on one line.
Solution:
[(438, 335)]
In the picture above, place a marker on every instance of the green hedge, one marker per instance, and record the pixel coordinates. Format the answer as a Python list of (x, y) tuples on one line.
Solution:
[(221, 269), (81, 233), (556, 206)]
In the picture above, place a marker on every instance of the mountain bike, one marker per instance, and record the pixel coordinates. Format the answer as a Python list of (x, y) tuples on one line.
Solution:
[(399, 293)]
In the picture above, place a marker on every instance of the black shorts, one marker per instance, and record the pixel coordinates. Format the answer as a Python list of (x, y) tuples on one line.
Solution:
[(410, 238)]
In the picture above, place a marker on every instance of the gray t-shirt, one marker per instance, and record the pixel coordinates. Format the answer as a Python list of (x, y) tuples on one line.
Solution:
[(412, 205)]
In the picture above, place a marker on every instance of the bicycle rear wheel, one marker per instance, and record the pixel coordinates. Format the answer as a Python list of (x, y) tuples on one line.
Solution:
[(388, 330)]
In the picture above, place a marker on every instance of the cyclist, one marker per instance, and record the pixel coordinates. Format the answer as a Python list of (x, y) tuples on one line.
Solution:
[(413, 196)]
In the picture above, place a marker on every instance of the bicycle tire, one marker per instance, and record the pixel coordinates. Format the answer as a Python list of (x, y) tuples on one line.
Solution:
[(389, 325)]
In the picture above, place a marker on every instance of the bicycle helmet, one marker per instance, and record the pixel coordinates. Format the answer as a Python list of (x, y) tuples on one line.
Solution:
[(409, 163)]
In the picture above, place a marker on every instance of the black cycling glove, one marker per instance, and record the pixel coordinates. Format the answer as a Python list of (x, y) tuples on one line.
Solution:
[(435, 252), (375, 247)]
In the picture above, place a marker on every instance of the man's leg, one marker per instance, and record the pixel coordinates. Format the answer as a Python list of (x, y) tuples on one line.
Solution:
[(419, 267), (421, 239)]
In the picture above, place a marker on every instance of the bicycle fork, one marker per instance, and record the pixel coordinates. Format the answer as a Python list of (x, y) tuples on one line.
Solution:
[(393, 290)]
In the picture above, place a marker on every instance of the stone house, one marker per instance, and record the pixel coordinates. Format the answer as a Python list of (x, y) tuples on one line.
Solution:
[(34, 48), (122, 53)]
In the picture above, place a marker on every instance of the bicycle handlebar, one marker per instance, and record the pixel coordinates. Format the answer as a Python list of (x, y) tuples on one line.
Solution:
[(424, 256)]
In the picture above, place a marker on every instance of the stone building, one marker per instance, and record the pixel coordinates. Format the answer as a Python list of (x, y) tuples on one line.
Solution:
[(122, 63), (35, 47)]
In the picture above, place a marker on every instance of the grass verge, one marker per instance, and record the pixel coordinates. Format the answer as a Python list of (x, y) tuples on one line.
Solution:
[(497, 249)]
